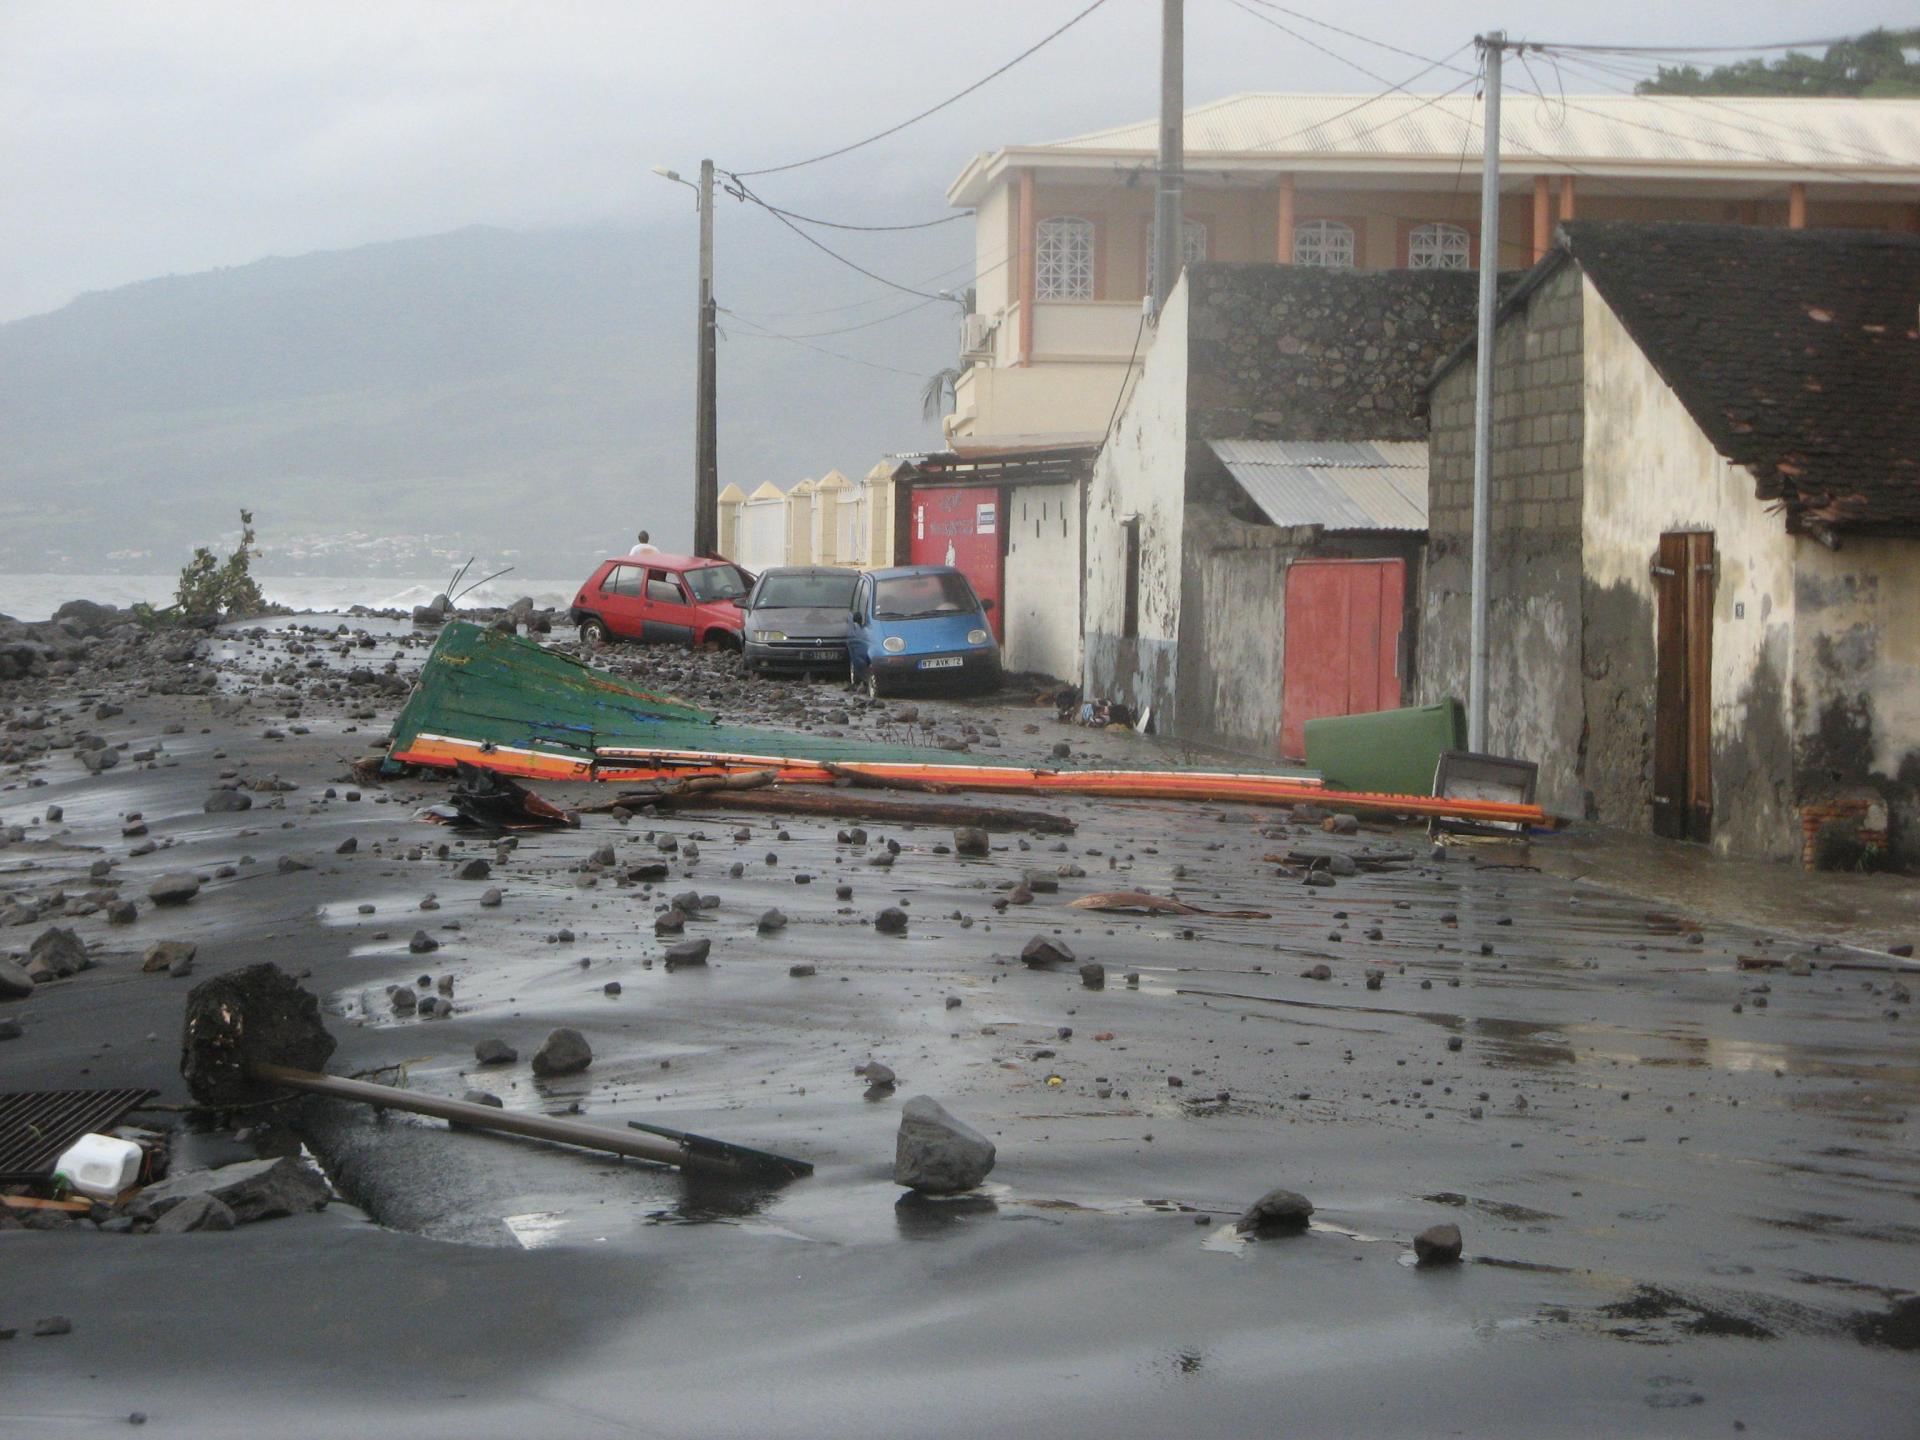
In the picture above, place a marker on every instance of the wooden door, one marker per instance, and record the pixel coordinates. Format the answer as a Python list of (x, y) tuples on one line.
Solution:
[(1342, 642), (1684, 571), (962, 528)]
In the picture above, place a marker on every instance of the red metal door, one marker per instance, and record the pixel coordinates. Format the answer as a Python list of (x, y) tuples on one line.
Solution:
[(1342, 642), (962, 528)]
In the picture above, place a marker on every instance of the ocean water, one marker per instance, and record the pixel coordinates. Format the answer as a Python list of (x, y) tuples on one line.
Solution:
[(36, 597)]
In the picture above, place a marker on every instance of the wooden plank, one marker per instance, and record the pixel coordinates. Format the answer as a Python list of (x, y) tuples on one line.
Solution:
[(29, 1202), (853, 805)]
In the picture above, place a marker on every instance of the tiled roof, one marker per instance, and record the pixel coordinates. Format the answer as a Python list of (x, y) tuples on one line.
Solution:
[(1797, 352)]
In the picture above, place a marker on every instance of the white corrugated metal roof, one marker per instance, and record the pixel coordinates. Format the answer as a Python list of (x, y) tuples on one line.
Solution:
[(1335, 484), (1812, 134)]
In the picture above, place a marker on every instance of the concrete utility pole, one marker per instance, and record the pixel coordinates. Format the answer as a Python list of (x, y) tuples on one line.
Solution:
[(1491, 45), (706, 431), (1167, 198)]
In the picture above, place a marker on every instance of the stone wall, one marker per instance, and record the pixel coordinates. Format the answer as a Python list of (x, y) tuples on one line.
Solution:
[(1289, 352), (1299, 353), (1534, 682)]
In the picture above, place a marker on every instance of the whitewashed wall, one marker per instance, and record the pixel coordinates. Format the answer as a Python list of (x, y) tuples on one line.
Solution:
[(1042, 582)]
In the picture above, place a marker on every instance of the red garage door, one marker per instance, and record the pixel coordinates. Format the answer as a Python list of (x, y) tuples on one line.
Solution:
[(962, 528), (1342, 642)]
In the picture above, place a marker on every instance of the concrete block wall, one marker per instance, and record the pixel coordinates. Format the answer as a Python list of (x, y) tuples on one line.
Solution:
[(1534, 680)]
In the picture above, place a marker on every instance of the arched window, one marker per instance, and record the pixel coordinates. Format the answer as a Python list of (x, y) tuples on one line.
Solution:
[(1193, 245), (1438, 247), (1323, 242), (1063, 259)]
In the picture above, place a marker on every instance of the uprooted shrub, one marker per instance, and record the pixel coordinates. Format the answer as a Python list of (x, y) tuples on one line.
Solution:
[(214, 589)]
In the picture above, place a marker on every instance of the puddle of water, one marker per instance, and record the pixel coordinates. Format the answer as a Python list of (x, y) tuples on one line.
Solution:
[(537, 1228), (1227, 1240)]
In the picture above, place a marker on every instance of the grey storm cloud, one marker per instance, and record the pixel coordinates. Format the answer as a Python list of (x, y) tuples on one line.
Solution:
[(139, 139)]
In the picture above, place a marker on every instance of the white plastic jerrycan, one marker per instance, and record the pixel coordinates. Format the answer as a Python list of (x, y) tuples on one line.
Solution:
[(99, 1166)]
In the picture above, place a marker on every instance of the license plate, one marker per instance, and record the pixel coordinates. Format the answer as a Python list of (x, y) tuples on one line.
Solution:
[(818, 655), (942, 662)]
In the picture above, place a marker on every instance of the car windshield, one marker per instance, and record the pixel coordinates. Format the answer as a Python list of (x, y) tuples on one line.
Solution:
[(796, 592), (716, 582), (914, 597)]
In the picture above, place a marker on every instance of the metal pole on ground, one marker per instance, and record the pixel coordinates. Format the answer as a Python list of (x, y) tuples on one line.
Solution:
[(1491, 45)]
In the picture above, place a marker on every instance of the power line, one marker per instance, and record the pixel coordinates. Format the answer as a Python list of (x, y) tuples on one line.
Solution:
[(1691, 49), (842, 225), (877, 299), (1378, 79), (1125, 376), (878, 320), (740, 191), (933, 109), (1354, 35), (819, 349)]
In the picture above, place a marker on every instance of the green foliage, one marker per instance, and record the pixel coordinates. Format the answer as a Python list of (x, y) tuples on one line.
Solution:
[(1870, 66), (212, 586)]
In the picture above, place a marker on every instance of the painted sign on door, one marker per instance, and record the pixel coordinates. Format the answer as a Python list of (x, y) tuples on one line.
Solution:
[(1342, 642), (961, 528)]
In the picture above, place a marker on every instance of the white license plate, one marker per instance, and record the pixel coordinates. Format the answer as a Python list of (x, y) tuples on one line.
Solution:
[(942, 662)]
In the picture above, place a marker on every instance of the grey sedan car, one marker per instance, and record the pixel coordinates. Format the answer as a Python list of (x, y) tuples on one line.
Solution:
[(796, 620)]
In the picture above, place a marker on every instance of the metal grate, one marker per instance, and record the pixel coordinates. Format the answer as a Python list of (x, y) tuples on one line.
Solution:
[(36, 1125)]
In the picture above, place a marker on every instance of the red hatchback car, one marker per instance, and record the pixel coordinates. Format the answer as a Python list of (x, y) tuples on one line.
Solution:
[(662, 597)]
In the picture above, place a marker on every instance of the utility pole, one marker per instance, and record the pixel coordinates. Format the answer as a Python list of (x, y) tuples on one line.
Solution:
[(1491, 45), (1167, 197), (706, 460)]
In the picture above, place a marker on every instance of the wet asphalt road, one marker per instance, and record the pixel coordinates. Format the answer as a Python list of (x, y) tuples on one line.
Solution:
[(1679, 1215)]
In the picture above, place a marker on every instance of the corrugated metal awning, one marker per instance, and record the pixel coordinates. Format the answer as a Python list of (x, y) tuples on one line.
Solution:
[(1335, 484)]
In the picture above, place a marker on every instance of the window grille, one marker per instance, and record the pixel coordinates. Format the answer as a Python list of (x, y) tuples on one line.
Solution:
[(1063, 259), (1327, 243), (1438, 247)]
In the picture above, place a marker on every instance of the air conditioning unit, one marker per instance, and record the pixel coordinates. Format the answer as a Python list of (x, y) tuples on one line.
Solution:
[(976, 337)]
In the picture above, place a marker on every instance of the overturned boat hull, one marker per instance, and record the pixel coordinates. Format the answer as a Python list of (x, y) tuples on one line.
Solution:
[(507, 705)]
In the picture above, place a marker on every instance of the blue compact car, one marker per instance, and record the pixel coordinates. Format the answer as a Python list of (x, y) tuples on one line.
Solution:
[(919, 626)]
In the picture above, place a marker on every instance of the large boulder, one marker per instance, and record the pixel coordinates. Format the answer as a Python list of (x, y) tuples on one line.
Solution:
[(936, 1153), (55, 955), (226, 802), (176, 887), (565, 1052), (103, 757), (1438, 1245), (15, 983), (1278, 1212), (87, 617), (252, 1190), (258, 1014), (196, 1212)]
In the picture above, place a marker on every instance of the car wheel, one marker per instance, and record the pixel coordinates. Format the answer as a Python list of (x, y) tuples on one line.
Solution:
[(853, 675), (594, 633), (874, 689)]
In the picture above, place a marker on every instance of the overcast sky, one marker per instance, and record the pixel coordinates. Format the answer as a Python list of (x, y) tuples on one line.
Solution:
[(141, 139)]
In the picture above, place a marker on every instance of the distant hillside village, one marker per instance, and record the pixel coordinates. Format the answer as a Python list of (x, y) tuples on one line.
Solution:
[(1253, 509)]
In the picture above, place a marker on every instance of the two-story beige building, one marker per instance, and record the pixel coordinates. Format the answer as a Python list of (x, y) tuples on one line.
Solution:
[(1063, 230)]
